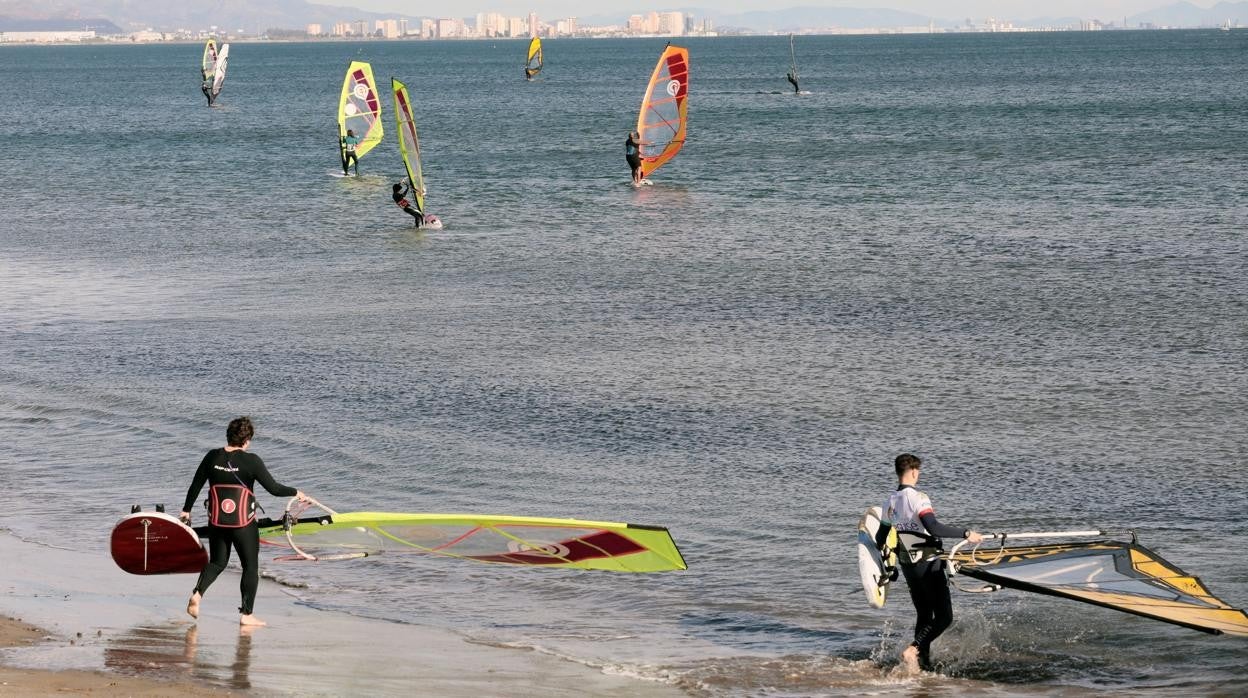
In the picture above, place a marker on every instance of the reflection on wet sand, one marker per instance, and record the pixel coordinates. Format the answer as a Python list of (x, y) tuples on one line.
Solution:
[(171, 651)]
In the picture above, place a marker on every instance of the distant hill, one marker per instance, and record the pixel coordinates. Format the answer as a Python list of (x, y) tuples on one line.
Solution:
[(1185, 14), (252, 16), (99, 24)]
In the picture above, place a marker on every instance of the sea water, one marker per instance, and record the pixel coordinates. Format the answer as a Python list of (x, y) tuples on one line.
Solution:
[(1021, 257)]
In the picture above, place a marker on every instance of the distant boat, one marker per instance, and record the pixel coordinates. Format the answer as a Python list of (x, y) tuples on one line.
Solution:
[(359, 110), (664, 108), (1227, 26), (792, 76), (533, 64)]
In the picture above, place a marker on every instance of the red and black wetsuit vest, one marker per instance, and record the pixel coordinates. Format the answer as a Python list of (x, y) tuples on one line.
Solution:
[(231, 477)]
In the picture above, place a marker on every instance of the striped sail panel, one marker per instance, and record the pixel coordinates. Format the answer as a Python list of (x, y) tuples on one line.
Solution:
[(409, 143), (210, 58), (533, 63), (218, 71), (359, 107), (506, 540), (663, 115), (1119, 575)]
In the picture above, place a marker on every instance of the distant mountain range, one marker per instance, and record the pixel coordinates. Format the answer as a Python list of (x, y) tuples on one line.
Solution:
[(256, 16), (252, 16)]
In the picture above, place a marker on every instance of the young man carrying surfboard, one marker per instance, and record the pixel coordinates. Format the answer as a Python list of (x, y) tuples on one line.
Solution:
[(910, 512)]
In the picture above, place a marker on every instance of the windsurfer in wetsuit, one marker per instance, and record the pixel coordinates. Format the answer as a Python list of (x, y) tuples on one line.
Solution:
[(632, 153), (399, 194), (918, 534), (349, 142), (231, 474), (793, 80), (205, 86)]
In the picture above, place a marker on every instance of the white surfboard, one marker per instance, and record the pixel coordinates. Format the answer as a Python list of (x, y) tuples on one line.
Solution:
[(872, 567)]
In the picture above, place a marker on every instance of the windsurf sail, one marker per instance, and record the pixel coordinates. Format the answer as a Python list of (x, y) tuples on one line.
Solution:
[(409, 143), (359, 109), (533, 64), (663, 115), (218, 70), (1122, 575), (792, 59), (209, 62), (506, 540)]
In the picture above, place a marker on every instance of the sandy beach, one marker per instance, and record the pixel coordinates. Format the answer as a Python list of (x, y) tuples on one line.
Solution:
[(76, 624)]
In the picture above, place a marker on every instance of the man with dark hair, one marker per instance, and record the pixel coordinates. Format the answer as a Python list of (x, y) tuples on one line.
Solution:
[(918, 535), (232, 474)]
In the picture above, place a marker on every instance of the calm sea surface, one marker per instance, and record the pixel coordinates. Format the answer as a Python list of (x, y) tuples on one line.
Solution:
[(1021, 257)]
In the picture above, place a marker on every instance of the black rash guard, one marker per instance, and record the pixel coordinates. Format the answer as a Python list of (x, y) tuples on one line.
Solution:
[(232, 476)]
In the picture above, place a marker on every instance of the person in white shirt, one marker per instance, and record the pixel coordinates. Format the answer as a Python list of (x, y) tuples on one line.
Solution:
[(910, 512)]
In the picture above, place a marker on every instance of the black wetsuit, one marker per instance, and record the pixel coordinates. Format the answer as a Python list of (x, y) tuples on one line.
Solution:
[(632, 153), (925, 578), (231, 477), (792, 80), (401, 201), (205, 86)]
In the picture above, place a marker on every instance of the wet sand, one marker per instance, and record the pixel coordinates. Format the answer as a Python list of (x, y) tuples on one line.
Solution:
[(87, 627)]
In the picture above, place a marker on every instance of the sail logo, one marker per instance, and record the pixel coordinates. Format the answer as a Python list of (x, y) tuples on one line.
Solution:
[(673, 87), (361, 90), (552, 549)]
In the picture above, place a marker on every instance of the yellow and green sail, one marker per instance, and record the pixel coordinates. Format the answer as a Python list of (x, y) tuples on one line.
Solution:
[(505, 540), (409, 142), (209, 62), (359, 108)]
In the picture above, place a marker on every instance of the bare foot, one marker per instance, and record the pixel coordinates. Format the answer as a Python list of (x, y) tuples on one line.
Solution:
[(192, 606), (910, 658), (250, 620)]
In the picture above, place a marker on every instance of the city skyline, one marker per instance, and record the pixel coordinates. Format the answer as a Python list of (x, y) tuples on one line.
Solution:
[(939, 9)]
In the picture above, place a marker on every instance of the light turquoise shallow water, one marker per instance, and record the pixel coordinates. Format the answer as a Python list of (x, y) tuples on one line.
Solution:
[(1021, 257)]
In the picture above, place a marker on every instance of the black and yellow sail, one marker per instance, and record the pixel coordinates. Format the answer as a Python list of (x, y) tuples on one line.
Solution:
[(1124, 576)]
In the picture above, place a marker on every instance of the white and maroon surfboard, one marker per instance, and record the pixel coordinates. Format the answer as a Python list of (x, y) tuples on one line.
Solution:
[(150, 542)]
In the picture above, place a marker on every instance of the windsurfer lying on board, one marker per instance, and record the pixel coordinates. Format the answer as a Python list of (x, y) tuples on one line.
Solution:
[(918, 535), (349, 142), (632, 153), (400, 199), (232, 474)]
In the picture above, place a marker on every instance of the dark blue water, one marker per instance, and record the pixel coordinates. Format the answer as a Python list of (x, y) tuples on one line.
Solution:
[(1021, 257)]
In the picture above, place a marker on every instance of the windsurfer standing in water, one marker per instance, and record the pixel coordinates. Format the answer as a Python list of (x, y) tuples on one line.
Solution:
[(918, 535), (232, 473), (205, 86), (632, 153), (793, 81), (349, 142), (399, 194)]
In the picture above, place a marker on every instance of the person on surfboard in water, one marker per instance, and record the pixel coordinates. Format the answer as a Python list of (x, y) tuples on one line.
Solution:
[(399, 194), (232, 474), (632, 153), (205, 86), (793, 81), (918, 535), (349, 142)]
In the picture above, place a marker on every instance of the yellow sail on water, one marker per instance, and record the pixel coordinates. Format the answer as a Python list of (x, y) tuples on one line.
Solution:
[(409, 143), (359, 108)]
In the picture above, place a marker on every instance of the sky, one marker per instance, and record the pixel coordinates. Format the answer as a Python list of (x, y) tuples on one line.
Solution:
[(944, 9)]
